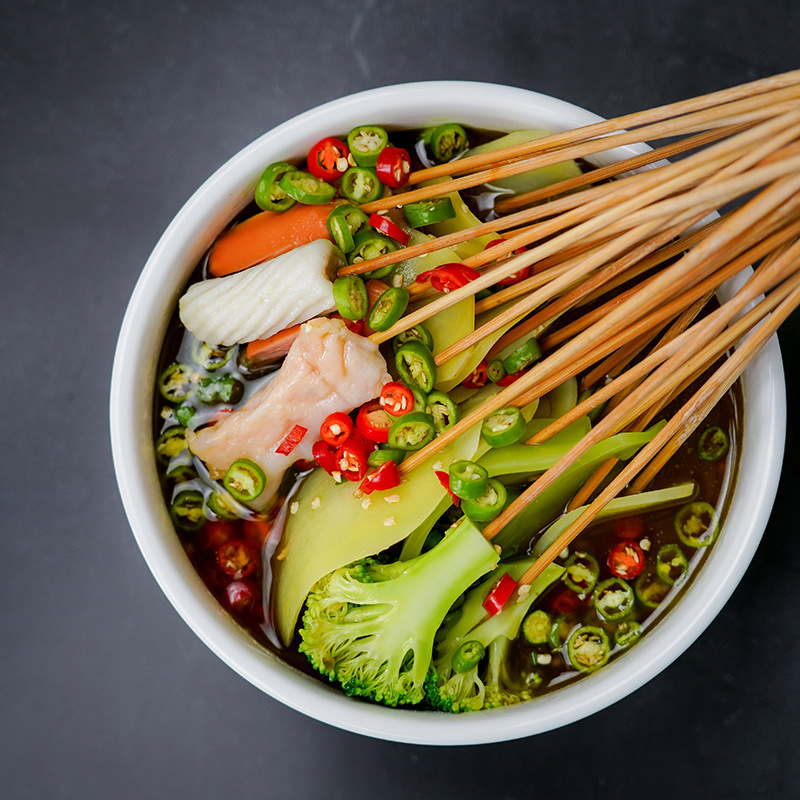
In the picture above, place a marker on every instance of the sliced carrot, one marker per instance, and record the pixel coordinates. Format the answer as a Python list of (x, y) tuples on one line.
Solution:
[(266, 235), (275, 346)]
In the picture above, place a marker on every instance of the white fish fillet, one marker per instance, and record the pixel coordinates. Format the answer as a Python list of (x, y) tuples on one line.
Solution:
[(327, 369), (264, 299)]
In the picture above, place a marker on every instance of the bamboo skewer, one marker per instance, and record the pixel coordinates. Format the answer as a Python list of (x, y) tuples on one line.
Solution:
[(686, 272), (757, 284), (645, 233), (747, 109), (702, 348), (640, 118), (501, 223), (629, 202), (505, 205), (681, 425)]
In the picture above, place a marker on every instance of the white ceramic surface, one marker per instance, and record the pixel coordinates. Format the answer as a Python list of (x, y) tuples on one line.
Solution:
[(186, 239)]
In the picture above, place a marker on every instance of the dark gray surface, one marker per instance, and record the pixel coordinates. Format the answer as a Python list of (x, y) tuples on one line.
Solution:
[(112, 113)]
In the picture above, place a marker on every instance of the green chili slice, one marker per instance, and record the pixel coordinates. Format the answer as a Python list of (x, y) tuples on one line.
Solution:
[(305, 188), (208, 357), (613, 599), (416, 365), (505, 426), (559, 631), (367, 244), (269, 196), (419, 333), (650, 589), (446, 141), (536, 627), (696, 524), (222, 504), (626, 633), (489, 505), (444, 411), (581, 572), (378, 457), (388, 308), (171, 443), (468, 479), (671, 564), (360, 185), (181, 468), (365, 143), (713, 443), (342, 224), (588, 648), (176, 382), (420, 398), (350, 296), (495, 370), (186, 510), (467, 656), (225, 389), (245, 480), (411, 431), (429, 212), (526, 354)]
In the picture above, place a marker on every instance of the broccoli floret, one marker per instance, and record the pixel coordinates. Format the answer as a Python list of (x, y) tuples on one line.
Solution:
[(371, 627), (486, 684)]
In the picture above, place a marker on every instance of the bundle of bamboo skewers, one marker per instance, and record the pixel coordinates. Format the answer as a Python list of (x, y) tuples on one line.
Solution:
[(661, 230)]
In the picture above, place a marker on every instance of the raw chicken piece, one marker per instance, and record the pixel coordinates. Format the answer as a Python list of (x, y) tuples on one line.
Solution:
[(264, 299), (327, 369)]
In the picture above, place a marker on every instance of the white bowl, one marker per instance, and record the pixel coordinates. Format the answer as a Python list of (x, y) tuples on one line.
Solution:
[(175, 255)]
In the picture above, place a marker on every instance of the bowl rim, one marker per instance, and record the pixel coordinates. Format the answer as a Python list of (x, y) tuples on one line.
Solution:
[(191, 232)]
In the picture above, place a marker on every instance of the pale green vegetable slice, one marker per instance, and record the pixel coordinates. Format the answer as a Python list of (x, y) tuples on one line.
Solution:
[(463, 220), (523, 462), (411, 267), (618, 507), (453, 371), (331, 527), (535, 179), (563, 398)]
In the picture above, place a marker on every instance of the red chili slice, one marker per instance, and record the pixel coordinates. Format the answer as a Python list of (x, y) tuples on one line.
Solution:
[(507, 380), (499, 595), (444, 479), (385, 226), (324, 456), (393, 167), (351, 458), (256, 530), (386, 476), (564, 601), (477, 377), (396, 398), (626, 560), (628, 528), (328, 159), (291, 441), (218, 531), (514, 277), (336, 429), (241, 596), (448, 277), (374, 422), (353, 325), (237, 558)]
